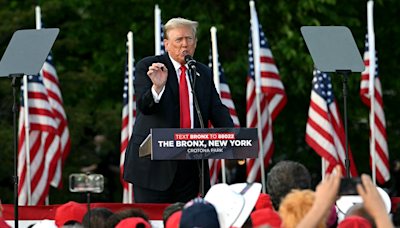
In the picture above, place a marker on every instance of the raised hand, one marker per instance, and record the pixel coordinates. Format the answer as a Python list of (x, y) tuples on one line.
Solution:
[(326, 192), (325, 196), (373, 202), (158, 74)]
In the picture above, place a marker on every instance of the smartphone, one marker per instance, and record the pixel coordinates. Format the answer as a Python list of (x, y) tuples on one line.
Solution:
[(80, 182), (348, 186)]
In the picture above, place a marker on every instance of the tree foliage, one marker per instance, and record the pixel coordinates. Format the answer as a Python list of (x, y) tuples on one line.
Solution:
[(89, 57)]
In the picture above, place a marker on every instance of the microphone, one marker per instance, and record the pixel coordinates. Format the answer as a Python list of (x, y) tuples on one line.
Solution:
[(191, 62)]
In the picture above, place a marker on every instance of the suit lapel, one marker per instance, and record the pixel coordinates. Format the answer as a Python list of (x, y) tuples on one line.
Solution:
[(172, 80), (172, 83)]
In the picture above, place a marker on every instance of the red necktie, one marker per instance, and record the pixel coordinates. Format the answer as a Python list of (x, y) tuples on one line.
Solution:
[(184, 100)]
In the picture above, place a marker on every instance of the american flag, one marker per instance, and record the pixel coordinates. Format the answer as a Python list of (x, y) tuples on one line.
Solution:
[(162, 50), (125, 126), (50, 81), (324, 130), (226, 98), (272, 99), (381, 147), (45, 143)]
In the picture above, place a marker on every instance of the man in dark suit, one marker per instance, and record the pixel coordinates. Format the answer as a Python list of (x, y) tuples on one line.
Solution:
[(160, 104)]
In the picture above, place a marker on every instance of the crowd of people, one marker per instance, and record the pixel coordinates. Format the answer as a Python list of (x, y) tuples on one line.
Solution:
[(290, 203)]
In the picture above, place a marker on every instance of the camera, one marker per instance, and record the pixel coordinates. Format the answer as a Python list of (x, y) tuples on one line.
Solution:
[(80, 182)]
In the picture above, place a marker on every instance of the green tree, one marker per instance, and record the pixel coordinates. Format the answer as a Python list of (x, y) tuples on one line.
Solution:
[(89, 57)]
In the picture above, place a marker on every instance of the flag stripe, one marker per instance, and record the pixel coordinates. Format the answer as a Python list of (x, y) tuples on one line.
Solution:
[(272, 99), (226, 99), (45, 146), (381, 148), (125, 125), (324, 130), (49, 135)]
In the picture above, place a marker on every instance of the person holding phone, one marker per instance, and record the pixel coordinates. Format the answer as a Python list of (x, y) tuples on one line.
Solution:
[(326, 195)]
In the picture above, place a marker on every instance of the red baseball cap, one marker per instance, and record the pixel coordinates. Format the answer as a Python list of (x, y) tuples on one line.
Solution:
[(266, 216), (174, 220), (132, 222), (70, 211), (354, 221), (263, 202)]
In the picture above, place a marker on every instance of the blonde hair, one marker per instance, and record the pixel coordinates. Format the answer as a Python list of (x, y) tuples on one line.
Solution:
[(295, 206), (180, 23)]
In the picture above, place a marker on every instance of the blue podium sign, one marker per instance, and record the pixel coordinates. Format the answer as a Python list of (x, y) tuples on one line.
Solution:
[(207, 143)]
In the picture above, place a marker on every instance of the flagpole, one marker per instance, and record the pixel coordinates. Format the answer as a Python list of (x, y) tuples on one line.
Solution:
[(130, 99), (371, 47), (157, 29), (217, 83), (27, 125), (27, 143), (214, 47), (38, 26), (257, 77)]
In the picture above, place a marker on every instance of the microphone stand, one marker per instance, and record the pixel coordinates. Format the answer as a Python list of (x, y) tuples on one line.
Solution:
[(192, 78)]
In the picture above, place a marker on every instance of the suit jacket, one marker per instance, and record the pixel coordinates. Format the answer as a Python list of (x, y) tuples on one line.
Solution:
[(158, 175)]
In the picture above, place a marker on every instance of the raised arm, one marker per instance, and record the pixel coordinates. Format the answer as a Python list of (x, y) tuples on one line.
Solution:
[(149, 76), (373, 202), (325, 198)]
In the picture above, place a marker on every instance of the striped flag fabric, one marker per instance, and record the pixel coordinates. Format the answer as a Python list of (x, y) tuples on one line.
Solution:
[(162, 49), (51, 83), (214, 168), (159, 31), (324, 130), (226, 99), (45, 143), (272, 99), (381, 147), (125, 126)]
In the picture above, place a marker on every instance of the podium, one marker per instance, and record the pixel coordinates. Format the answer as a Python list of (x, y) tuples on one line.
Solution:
[(200, 144)]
